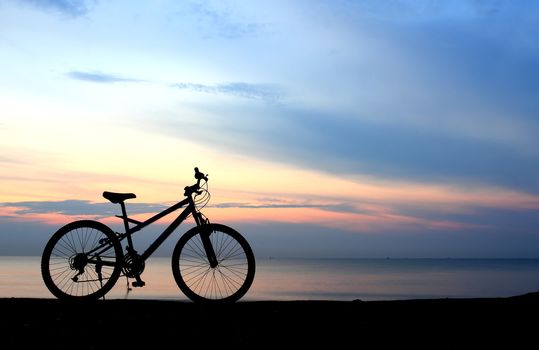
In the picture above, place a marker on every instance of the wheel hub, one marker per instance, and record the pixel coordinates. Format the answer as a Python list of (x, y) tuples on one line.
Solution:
[(78, 262)]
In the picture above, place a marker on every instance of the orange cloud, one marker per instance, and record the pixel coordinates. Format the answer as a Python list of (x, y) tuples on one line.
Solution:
[(14, 214)]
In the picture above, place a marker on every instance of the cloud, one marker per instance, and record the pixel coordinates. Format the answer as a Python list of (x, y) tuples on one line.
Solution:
[(265, 92), (99, 77), (337, 143), (340, 208), (220, 20), (11, 160), (429, 101), (73, 8), (78, 207), (423, 9), (261, 206)]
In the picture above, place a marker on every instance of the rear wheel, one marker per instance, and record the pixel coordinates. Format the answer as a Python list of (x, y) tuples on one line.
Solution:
[(229, 280), (82, 260)]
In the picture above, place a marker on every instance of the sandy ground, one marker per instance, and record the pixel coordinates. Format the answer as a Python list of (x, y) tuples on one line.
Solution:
[(506, 323)]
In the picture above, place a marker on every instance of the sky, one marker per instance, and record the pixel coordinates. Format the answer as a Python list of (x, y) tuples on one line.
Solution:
[(402, 128)]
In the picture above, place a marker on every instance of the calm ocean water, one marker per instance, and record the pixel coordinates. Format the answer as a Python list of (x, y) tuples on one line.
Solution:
[(321, 279)]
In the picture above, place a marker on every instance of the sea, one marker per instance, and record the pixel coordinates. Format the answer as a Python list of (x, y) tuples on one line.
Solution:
[(318, 279)]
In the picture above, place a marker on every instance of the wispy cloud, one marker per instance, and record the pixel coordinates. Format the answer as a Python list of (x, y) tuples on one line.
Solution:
[(339, 208), (330, 141), (11, 160), (220, 21), (99, 77), (72, 8), (415, 10), (265, 92), (77, 208)]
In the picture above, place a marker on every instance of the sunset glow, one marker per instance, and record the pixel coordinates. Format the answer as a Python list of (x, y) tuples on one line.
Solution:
[(345, 116)]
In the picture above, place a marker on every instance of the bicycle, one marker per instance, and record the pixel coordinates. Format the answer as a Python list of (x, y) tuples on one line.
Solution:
[(211, 263)]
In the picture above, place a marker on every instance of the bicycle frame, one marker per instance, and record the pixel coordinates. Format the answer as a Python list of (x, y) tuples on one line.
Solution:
[(190, 209)]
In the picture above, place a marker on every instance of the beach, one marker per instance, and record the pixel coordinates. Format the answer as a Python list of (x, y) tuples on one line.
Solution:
[(422, 323)]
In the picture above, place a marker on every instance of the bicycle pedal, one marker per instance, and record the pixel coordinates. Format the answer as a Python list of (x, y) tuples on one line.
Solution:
[(138, 284)]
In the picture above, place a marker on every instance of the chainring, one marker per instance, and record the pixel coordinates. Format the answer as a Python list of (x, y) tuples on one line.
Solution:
[(133, 265)]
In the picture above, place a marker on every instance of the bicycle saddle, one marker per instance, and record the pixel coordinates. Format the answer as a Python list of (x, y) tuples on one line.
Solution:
[(118, 197)]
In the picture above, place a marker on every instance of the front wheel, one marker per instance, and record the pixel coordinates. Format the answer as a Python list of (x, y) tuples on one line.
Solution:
[(226, 282)]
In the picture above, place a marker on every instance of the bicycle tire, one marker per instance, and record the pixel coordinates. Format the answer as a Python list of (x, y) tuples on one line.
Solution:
[(64, 259), (229, 280)]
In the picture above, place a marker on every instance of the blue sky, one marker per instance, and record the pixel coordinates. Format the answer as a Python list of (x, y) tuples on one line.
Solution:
[(430, 104)]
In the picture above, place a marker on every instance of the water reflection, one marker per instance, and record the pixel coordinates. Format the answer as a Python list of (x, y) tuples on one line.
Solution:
[(326, 279)]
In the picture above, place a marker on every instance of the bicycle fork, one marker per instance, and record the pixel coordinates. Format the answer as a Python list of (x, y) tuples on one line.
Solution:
[(208, 247), (205, 233)]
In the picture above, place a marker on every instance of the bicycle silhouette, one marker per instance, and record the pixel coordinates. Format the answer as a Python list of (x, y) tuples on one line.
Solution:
[(210, 263)]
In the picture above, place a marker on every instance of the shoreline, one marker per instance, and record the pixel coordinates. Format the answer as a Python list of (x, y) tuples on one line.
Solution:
[(141, 323)]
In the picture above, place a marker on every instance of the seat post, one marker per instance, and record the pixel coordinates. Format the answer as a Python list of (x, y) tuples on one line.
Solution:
[(126, 225)]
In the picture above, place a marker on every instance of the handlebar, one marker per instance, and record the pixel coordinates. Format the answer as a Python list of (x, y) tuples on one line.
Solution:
[(189, 190), (199, 175)]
